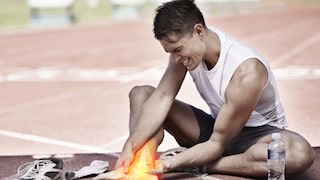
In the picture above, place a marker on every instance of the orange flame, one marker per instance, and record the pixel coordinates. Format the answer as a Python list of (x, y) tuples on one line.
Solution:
[(143, 162)]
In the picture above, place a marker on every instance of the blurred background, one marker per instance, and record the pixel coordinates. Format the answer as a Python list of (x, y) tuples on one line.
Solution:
[(39, 13)]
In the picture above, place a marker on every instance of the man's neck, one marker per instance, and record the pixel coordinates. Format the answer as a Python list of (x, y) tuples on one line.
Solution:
[(213, 49)]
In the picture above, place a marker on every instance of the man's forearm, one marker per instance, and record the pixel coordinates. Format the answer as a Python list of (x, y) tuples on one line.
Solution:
[(210, 151), (150, 119)]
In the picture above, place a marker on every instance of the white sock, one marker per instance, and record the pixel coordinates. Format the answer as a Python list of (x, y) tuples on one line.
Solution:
[(96, 167)]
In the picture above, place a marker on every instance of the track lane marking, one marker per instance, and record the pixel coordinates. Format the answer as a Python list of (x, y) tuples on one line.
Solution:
[(118, 140), (29, 137), (48, 99), (295, 50), (123, 76)]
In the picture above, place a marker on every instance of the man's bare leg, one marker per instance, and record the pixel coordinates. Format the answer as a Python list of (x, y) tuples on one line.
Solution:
[(253, 162), (178, 123), (137, 97)]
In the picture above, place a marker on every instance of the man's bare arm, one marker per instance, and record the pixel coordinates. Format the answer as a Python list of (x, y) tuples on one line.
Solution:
[(154, 111), (242, 95)]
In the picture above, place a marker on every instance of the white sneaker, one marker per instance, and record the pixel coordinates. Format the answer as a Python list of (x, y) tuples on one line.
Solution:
[(42, 169)]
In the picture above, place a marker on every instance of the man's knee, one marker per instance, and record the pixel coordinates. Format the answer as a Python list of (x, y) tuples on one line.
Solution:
[(299, 158), (144, 90)]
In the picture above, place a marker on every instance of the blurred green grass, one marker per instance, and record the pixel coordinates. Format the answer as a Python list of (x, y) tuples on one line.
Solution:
[(15, 13), (84, 13)]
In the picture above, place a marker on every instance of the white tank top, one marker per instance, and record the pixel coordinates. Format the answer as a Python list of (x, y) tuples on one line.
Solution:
[(212, 84)]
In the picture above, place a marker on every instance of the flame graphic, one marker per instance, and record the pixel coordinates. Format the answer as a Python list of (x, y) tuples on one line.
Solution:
[(143, 162)]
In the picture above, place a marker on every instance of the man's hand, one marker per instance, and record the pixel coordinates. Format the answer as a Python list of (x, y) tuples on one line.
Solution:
[(159, 167), (125, 160)]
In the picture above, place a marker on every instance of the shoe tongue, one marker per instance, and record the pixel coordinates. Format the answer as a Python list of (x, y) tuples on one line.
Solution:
[(52, 175), (58, 162)]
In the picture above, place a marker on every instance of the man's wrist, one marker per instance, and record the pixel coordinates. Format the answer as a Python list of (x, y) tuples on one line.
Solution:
[(203, 169)]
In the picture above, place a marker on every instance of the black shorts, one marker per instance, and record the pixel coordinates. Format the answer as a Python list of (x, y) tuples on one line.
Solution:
[(246, 138)]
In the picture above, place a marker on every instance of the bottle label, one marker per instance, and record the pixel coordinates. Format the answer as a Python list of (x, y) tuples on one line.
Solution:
[(276, 154)]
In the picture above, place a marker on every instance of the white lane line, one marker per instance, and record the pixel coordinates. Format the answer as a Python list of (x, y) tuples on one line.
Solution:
[(60, 74), (49, 99), (53, 74), (297, 72), (55, 142), (56, 74), (153, 73), (297, 49), (119, 140)]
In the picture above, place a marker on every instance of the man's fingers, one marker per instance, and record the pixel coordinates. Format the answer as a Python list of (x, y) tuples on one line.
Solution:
[(155, 172), (126, 166), (158, 169), (119, 163)]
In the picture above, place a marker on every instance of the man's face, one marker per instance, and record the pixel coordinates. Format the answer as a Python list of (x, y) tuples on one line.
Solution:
[(187, 49)]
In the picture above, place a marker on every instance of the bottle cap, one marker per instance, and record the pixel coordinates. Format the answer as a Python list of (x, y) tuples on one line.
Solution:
[(276, 135)]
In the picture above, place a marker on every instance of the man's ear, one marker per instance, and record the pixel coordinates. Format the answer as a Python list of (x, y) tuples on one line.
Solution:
[(198, 29)]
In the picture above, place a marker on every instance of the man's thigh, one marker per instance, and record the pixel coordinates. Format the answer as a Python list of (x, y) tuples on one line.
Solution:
[(189, 125), (248, 137)]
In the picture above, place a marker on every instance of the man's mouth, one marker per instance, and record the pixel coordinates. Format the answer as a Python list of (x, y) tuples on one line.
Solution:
[(185, 62)]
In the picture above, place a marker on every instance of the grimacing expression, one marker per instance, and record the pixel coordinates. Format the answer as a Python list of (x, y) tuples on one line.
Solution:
[(188, 49)]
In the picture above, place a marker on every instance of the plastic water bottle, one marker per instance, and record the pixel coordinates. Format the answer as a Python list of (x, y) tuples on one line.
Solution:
[(276, 158)]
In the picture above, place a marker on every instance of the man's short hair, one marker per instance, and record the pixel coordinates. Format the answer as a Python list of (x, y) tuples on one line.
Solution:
[(176, 17)]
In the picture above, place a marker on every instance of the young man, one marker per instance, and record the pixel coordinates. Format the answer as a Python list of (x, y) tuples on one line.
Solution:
[(239, 88)]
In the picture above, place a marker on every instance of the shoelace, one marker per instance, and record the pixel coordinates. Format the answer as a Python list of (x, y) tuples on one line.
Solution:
[(37, 169)]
